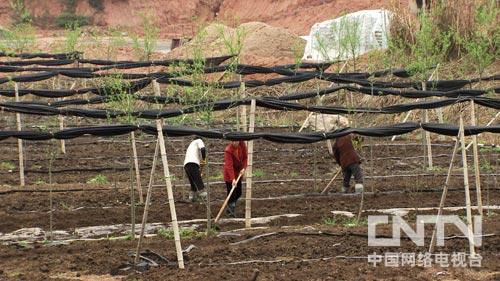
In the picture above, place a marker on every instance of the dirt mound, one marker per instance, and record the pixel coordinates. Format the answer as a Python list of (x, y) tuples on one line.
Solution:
[(260, 43)]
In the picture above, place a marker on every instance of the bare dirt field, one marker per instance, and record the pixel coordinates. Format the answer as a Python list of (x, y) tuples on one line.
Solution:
[(310, 244)]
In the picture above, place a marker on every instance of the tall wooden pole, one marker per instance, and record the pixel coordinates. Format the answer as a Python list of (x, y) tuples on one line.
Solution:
[(443, 197), (19, 141), (249, 170), (136, 167), (168, 182), (146, 206), (55, 85), (244, 107), (427, 134), (477, 175), (466, 185)]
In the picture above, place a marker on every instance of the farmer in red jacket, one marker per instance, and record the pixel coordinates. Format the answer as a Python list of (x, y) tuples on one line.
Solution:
[(349, 160), (235, 163)]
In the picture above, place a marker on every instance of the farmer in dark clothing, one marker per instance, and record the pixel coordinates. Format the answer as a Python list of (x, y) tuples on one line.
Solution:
[(235, 163), (349, 160)]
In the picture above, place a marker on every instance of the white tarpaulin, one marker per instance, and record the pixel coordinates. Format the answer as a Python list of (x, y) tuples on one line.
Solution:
[(348, 36)]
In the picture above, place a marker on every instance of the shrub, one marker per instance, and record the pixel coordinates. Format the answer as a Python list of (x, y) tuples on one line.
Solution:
[(66, 19), (21, 13), (97, 4)]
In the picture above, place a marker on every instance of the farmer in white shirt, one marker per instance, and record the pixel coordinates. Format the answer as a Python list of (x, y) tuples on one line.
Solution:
[(195, 155)]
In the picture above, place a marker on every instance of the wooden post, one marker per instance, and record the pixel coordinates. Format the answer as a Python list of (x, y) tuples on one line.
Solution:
[(61, 127), (19, 141), (209, 210), (136, 167), (477, 175), (443, 197), (55, 85), (168, 182), (244, 107), (146, 206), (427, 134), (466, 185), (249, 170)]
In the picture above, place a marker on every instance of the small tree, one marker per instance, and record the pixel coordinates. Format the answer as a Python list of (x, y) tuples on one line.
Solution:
[(145, 47), (480, 45)]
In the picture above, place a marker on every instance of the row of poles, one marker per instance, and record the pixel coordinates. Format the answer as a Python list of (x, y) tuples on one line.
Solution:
[(160, 147)]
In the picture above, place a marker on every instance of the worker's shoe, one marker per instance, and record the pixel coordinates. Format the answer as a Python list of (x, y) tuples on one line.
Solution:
[(192, 196), (231, 209), (202, 195), (344, 189), (358, 188)]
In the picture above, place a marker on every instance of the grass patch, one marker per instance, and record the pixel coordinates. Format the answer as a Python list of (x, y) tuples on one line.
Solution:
[(7, 166), (329, 221), (185, 233), (99, 179), (258, 173)]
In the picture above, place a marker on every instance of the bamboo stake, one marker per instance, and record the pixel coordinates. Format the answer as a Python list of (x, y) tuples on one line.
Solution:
[(361, 205), (209, 211), (146, 206), (443, 197), (136, 166), (55, 85), (19, 141), (244, 107), (249, 170), (476, 160), (331, 181), (320, 99), (466, 185), (427, 134), (440, 116), (132, 202), (168, 182), (227, 199)]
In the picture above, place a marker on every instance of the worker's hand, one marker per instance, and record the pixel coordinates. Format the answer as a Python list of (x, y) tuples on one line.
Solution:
[(234, 182), (203, 162), (242, 172)]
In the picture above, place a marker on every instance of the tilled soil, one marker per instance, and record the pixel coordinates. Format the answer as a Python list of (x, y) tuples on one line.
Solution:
[(288, 182)]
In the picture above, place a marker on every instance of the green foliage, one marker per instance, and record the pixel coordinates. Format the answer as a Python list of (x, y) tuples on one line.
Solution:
[(72, 35), (40, 182), (21, 14), (345, 222), (70, 19), (233, 42), (99, 179), (344, 36), (480, 45), (258, 173), (7, 166), (20, 38), (144, 47), (329, 221), (184, 233), (119, 98), (431, 47), (486, 166)]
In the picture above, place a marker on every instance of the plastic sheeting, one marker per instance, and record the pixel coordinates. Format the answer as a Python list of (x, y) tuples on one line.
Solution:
[(380, 131), (350, 35)]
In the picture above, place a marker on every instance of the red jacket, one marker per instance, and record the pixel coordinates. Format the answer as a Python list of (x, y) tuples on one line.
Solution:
[(235, 159), (344, 152)]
